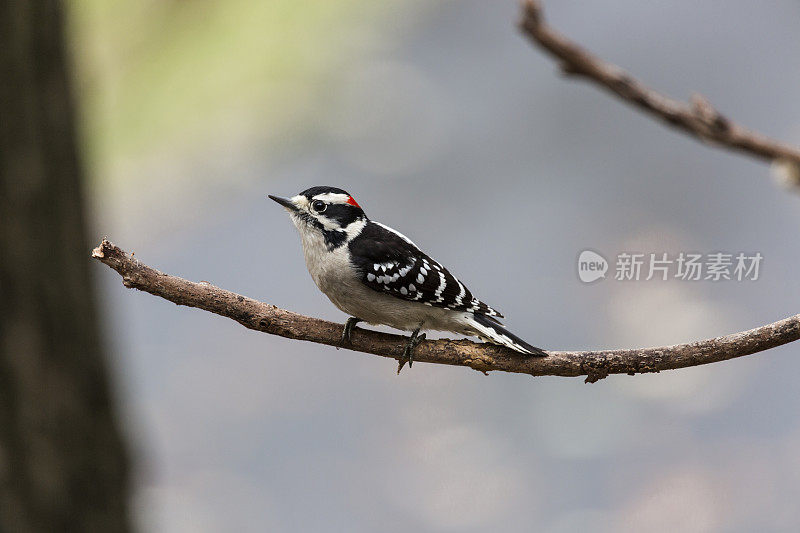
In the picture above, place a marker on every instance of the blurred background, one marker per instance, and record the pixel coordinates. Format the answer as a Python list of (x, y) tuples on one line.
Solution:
[(444, 122)]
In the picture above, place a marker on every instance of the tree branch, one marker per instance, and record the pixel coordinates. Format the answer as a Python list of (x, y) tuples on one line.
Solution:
[(697, 118), (595, 365)]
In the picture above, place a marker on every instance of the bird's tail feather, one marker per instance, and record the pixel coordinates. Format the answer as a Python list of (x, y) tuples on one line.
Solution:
[(491, 330)]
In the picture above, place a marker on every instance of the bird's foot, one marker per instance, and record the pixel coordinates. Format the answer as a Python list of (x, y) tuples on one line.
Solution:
[(408, 352), (348, 329)]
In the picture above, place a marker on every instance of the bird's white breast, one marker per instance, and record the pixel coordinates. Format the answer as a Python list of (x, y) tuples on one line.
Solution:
[(328, 268), (336, 276)]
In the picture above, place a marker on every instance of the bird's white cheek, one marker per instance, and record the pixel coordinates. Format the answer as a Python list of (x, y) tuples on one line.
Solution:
[(298, 222)]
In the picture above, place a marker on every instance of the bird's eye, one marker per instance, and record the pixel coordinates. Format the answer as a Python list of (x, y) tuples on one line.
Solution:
[(319, 206)]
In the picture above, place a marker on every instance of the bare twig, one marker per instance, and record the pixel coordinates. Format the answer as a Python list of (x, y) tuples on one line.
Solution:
[(697, 118), (483, 357)]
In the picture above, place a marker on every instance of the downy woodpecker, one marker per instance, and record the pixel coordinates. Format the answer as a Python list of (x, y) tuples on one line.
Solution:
[(377, 275)]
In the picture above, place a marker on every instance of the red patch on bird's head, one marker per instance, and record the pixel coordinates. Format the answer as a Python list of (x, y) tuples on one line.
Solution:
[(352, 201)]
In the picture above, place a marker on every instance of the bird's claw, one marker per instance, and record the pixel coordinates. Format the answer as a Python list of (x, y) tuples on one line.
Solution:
[(408, 351), (348, 329)]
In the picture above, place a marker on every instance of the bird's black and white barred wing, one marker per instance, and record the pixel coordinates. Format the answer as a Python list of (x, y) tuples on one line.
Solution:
[(389, 262)]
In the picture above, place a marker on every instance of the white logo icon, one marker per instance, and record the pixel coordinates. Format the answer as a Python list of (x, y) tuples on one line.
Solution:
[(591, 266)]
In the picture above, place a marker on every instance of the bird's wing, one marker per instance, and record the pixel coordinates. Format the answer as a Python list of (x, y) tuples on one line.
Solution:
[(389, 262)]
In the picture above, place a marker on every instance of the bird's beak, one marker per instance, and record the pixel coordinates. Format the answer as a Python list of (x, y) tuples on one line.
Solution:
[(285, 202)]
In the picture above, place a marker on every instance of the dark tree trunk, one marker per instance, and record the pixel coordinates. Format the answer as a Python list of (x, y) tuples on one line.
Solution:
[(62, 461)]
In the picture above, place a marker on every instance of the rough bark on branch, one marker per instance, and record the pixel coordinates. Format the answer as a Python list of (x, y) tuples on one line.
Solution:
[(595, 365), (697, 118)]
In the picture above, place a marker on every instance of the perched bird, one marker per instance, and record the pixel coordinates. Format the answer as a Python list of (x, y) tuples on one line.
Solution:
[(377, 275)]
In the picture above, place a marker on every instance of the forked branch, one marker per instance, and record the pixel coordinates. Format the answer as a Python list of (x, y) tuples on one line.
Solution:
[(697, 118), (595, 365)]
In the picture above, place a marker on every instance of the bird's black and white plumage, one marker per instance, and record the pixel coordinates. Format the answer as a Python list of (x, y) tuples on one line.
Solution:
[(376, 274), (389, 262)]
